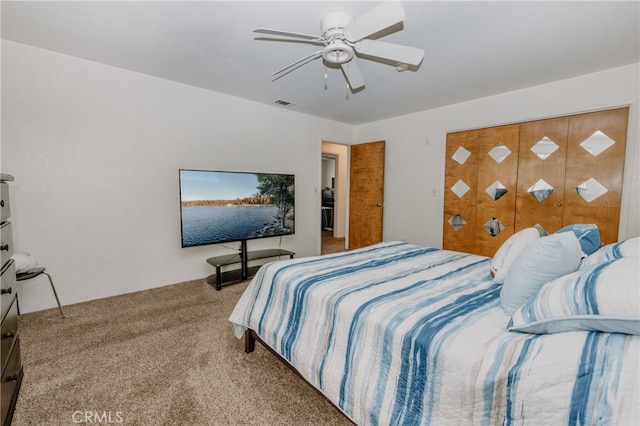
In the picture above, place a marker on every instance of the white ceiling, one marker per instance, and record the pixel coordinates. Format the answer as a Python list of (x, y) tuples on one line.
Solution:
[(472, 49)]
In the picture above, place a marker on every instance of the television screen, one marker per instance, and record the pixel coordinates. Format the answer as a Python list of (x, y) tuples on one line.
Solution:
[(219, 206)]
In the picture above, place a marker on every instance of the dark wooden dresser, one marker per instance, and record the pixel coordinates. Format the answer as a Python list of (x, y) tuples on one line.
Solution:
[(10, 350)]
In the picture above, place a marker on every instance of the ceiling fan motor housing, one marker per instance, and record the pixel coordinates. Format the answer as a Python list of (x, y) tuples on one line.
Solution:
[(332, 26)]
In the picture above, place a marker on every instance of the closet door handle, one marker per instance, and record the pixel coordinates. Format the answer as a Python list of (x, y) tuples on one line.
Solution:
[(6, 291), (5, 247), (559, 204), (1, 203)]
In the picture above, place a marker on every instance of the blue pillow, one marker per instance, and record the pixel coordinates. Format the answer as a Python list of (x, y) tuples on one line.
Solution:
[(603, 297), (587, 234), (545, 259)]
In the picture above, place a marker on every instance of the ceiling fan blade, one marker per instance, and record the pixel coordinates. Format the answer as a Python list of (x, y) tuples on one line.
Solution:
[(297, 64), (352, 72), (391, 51), (377, 19), (289, 34)]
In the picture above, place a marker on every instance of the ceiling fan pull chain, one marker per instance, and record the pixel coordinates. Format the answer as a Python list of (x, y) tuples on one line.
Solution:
[(325, 77), (347, 91)]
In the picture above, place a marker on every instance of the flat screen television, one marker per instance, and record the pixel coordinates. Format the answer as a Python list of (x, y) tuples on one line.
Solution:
[(221, 206)]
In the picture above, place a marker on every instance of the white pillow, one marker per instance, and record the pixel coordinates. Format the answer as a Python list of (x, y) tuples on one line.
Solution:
[(546, 259), (508, 252), (625, 248), (24, 262)]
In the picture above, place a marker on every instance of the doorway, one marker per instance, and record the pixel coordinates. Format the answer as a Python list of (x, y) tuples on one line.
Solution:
[(334, 197)]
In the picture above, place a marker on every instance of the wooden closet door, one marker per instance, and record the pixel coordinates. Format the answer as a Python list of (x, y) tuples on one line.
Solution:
[(541, 173), (559, 172), (461, 174), (595, 168), (498, 169)]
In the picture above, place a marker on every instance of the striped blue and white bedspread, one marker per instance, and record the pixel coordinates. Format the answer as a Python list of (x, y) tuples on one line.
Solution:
[(398, 334)]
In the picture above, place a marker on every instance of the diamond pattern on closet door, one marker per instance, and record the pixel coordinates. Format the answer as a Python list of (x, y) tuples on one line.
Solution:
[(497, 181), (542, 160), (457, 222), (460, 188), (544, 148), (496, 190), (597, 143), (540, 190), (499, 152), (590, 190), (493, 226), (595, 170), (556, 172), (461, 155), (460, 191)]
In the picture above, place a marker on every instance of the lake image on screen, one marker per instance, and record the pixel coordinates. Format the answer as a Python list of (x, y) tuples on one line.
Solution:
[(202, 225), (231, 206)]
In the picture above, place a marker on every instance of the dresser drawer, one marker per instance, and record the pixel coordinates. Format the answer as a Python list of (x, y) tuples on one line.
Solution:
[(8, 287), (8, 332), (6, 243), (5, 208), (11, 379)]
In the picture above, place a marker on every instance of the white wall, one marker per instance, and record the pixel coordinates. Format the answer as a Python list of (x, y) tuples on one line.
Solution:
[(95, 152), (415, 146)]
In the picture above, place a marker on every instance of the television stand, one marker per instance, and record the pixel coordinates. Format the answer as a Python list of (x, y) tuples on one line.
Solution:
[(237, 264)]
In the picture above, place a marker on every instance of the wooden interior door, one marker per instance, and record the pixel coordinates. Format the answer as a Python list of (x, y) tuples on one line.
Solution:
[(498, 169), (461, 174), (602, 169), (542, 158), (366, 194)]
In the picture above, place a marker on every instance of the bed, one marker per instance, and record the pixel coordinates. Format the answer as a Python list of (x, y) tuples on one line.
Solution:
[(400, 334)]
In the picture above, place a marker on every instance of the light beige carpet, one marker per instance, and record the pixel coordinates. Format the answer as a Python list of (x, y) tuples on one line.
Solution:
[(164, 356)]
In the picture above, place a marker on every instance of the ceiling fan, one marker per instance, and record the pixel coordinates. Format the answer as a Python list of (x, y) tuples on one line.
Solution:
[(345, 37)]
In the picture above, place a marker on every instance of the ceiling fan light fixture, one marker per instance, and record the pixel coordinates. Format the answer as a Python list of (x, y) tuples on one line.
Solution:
[(338, 52)]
